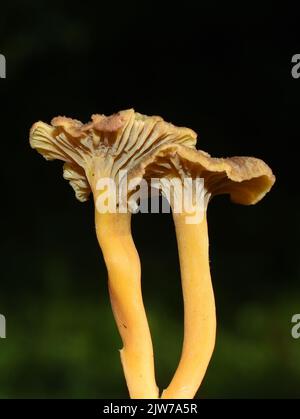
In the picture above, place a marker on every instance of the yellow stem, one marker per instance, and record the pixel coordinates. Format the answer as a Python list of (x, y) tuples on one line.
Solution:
[(199, 309), (124, 272)]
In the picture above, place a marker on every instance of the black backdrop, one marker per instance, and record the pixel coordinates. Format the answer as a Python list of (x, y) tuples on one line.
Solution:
[(226, 73)]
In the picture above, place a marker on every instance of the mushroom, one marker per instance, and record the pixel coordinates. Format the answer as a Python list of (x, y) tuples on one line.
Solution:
[(246, 180), (128, 144), (100, 150)]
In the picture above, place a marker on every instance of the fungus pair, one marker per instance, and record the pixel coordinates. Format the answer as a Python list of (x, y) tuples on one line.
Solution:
[(144, 148)]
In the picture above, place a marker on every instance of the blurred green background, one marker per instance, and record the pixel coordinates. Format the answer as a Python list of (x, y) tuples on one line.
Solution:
[(226, 74)]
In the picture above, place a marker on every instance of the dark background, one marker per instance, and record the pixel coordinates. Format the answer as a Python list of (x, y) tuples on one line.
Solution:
[(226, 73)]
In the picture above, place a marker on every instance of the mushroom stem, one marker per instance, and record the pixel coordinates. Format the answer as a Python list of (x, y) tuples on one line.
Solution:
[(199, 308), (124, 280)]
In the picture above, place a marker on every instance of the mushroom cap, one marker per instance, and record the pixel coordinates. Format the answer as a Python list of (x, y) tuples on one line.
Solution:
[(104, 146), (245, 179), (144, 147)]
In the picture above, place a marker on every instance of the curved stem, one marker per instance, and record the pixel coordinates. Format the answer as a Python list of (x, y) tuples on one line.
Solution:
[(199, 308), (124, 272)]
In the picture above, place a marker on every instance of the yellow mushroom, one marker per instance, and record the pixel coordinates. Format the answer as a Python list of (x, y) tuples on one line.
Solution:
[(246, 180), (147, 147), (99, 150)]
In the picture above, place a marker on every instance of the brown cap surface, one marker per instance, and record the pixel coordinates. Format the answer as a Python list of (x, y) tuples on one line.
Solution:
[(245, 179)]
